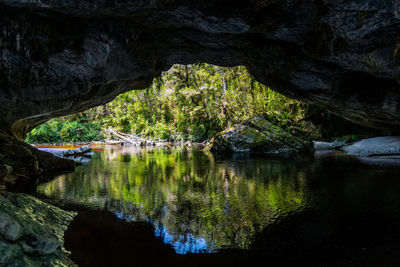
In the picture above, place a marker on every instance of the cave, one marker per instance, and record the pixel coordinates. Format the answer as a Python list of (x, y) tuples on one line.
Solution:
[(63, 57)]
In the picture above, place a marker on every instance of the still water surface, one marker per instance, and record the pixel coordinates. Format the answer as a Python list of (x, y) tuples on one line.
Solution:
[(200, 203)]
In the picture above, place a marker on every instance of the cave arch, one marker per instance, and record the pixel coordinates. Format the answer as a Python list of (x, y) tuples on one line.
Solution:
[(61, 57)]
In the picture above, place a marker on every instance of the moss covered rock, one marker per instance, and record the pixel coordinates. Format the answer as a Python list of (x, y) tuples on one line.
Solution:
[(258, 135), (31, 232)]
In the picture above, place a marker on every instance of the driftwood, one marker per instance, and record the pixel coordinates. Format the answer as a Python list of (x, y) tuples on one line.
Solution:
[(136, 140), (120, 136), (64, 152)]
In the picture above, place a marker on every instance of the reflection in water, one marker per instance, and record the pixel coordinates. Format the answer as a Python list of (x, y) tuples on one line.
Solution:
[(183, 244), (200, 203), (197, 203)]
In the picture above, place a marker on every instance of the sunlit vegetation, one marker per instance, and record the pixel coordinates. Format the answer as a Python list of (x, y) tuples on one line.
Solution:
[(185, 103), (67, 129)]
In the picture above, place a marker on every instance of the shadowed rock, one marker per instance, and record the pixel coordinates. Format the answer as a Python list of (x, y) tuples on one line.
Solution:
[(22, 164), (31, 232)]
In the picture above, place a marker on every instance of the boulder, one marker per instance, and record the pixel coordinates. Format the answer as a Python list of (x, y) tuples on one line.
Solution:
[(258, 135), (31, 232), (21, 163), (377, 146), (319, 146)]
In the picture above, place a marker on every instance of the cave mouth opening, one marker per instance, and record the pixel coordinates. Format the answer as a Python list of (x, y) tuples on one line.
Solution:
[(186, 103), (193, 103)]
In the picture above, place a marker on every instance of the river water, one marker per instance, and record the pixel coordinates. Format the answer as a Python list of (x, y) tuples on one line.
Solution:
[(331, 208)]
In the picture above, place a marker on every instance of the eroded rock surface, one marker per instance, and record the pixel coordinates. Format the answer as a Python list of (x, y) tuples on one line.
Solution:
[(31, 232), (258, 135), (60, 57)]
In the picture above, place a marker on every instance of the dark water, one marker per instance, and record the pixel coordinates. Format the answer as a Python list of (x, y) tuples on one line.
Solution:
[(333, 209)]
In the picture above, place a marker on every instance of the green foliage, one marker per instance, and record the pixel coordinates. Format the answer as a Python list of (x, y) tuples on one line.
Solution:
[(58, 130), (191, 102), (195, 102)]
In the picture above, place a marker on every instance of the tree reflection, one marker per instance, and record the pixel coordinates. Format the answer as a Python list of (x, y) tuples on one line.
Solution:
[(196, 202)]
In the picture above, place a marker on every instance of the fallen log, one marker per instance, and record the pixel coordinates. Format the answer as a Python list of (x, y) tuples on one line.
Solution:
[(120, 136)]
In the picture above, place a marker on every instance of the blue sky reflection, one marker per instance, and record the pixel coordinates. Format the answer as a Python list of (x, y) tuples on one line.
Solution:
[(184, 244)]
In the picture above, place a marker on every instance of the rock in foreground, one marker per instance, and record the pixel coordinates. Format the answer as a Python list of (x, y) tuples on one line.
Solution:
[(258, 135), (31, 232)]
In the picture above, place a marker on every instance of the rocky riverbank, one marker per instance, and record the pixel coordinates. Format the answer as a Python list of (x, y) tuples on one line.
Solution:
[(383, 150), (122, 140)]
